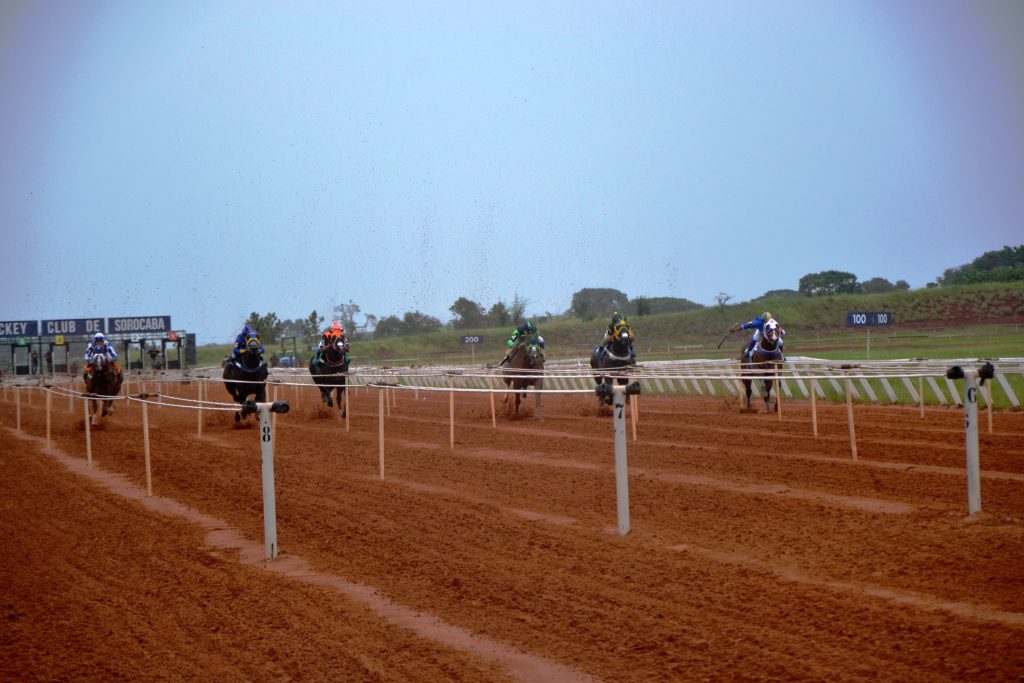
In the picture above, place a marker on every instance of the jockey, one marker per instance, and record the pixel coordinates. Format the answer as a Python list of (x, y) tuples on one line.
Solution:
[(334, 332), (331, 333), (100, 346), (242, 340), (524, 330), (758, 325), (617, 324)]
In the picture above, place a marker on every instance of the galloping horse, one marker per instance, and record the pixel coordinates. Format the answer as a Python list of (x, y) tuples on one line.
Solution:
[(525, 363), (103, 380), (766, 357), (330, 372), (613, 355), (247, 377)]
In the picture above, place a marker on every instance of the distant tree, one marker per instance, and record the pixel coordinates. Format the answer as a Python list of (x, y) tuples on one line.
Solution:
[(641, 306), (721, 299), (589, 303), (828, 282), (390, 326), (1004, 265), (499, 315), (467, 313), (903, 284), (347, 314), (414, 322), (268, 326), (779, 293), (311, 325), (669, 304), (877, 285), (517, 311), (291, 328)]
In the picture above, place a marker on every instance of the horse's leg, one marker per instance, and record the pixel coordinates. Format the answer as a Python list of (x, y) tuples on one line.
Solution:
[(748, 390)]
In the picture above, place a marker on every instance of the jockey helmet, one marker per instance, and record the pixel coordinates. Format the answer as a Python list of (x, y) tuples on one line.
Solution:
[(248, 332), (530, 327), (98, 337), (766, 316)]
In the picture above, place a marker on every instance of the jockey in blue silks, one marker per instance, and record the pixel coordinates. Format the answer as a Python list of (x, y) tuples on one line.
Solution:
[(100, 346), (757, 324), (242, 339)]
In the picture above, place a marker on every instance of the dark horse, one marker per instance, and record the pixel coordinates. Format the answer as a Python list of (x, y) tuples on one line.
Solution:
[(525, 362), (247, 376), (764, 360), (330, 372), (102, 380), (615, 354)]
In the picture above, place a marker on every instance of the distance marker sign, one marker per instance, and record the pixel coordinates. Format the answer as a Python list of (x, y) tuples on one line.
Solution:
[(868, 318)]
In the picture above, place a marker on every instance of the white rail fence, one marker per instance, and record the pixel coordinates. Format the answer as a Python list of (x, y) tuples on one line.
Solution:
[(879, 382)]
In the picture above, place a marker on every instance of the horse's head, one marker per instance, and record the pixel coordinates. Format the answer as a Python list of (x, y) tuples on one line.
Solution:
[(531, 347), (771, 331), (252, 357), (336, 348), (100, 363)]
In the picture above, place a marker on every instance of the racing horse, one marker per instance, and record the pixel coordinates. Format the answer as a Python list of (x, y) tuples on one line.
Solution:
[(765, 357), (247, 376), (102, 380), (331, 372), (616, 354), (525, 363)]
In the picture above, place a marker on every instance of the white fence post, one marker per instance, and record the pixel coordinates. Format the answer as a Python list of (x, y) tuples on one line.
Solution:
[(621, 468), (267, 452), (970, 378), (618, 396)]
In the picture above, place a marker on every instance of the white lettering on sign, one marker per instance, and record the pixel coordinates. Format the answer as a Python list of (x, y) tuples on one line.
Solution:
[(138, 325), (93, 325), (13, 329), (60, 327)]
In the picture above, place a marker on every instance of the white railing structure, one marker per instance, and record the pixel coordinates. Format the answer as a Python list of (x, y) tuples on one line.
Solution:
[(908, 381), (146, 399)]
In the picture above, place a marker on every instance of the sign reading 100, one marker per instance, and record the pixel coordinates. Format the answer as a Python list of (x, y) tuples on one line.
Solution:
[(868, 318)]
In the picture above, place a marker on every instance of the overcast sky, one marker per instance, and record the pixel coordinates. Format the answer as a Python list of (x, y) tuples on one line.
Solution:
[(207, 159)]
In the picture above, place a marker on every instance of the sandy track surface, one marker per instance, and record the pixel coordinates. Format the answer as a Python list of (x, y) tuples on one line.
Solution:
[(757, 550)]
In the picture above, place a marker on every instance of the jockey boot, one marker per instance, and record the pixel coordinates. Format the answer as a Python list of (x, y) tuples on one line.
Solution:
[(750, 348)]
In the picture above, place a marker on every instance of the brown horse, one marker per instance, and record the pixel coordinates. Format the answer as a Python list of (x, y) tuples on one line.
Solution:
[(523, 370), (763, 361), (102, 379)]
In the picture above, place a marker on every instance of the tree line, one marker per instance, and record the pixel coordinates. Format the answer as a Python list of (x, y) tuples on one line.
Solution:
[(590, 303)]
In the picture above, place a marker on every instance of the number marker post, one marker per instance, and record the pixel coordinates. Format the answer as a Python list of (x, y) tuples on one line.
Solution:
[(971, 377), (267, 453), (618, 396)]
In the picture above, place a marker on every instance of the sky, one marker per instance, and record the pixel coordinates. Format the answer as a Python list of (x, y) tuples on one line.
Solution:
[(204, 160)]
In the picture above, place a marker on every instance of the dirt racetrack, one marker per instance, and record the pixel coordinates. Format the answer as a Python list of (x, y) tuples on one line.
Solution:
[(757, 551)]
